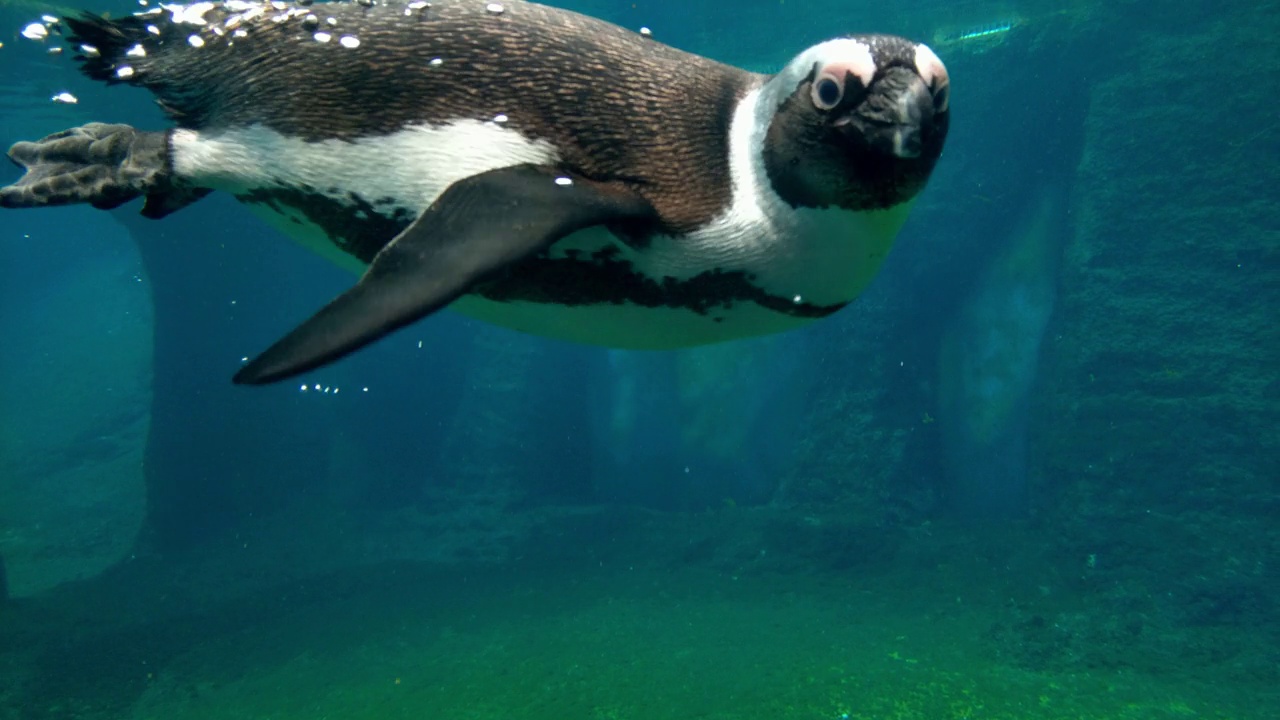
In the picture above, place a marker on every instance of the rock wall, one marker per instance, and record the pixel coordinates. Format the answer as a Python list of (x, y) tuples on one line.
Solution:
[(1163, 396)]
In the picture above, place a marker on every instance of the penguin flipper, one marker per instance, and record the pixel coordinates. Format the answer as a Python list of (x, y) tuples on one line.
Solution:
[(478, 226), (99, 164)]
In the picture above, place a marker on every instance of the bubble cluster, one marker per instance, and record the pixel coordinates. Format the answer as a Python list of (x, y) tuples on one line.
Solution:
[(317, 387)]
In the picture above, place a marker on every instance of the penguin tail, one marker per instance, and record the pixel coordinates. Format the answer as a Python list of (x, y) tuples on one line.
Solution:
[(109, 50), (143, 50), (99, 164)]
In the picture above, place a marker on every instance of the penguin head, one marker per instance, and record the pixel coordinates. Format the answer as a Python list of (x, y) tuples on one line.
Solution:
[(857, 123)]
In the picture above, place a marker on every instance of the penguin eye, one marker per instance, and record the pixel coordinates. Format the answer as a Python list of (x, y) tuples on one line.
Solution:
[(827, 92)]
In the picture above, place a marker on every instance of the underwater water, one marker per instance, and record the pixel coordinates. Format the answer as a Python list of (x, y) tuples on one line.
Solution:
[(1033, 472)]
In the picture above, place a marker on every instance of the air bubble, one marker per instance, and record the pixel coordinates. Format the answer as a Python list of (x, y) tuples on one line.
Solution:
[(195, 40), (349, 41), (137, 51), (436, 62), (189, 14), (323, 37), (310, 22), (646, 32), (564, 181), (494, 8), (35, 31), (124, 71), (65, 97)]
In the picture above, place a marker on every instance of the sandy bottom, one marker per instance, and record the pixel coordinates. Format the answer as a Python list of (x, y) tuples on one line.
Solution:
[(560, 640)]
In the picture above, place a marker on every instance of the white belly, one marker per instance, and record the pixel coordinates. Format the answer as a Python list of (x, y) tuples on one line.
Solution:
[(628, 327)]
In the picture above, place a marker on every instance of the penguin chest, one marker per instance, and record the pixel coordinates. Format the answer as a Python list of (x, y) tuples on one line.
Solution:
[(708, 287), (662, 293), (593, 288)]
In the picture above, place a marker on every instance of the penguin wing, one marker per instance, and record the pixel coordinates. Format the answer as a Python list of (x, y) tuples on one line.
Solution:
[(478, 226)]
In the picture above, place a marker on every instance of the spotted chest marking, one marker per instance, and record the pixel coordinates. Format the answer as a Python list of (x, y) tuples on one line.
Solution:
[(593, 289), (356, 227), (589, 268)]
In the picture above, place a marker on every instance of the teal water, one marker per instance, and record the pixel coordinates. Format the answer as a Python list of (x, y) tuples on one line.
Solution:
[(1033, 472)]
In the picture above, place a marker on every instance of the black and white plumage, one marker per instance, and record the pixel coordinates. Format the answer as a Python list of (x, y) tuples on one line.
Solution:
[(526, 165)]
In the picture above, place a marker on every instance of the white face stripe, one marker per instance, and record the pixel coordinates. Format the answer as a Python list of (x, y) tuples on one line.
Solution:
[(745, 234), (755, 211), (413, 166), (822, 256)]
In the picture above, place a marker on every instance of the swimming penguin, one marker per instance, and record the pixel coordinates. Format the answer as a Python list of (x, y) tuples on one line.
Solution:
[(525, 165)]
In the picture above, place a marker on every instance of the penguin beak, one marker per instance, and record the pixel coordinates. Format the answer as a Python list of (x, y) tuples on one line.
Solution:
[(893, 117)]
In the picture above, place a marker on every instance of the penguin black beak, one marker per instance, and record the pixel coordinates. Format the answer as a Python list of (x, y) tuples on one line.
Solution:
[(893, 117)]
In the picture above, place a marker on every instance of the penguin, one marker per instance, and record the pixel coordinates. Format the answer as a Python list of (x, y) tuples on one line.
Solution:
[(523, 164)]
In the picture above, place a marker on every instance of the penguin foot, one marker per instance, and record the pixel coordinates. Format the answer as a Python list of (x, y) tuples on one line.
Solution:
[(99, 164)]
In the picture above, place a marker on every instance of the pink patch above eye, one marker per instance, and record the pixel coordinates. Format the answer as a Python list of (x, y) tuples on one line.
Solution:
[(934, 74), (857, 61)]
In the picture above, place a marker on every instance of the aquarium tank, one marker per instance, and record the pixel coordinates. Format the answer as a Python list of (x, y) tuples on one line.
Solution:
[(1032, 471)]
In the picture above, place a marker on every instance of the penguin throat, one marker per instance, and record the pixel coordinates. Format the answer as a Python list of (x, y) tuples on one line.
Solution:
[(795, 169)]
